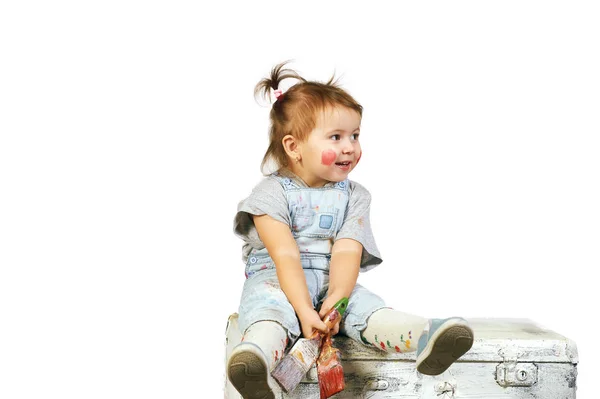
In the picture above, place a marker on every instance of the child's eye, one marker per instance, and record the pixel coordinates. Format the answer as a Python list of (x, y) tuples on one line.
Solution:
[(335, 137), (355, 136)]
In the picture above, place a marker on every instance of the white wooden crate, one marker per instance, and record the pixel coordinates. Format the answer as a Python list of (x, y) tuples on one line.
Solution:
[(510, 358)]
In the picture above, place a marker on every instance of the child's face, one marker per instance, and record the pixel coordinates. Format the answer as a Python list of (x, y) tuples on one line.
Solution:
[(332, 149)]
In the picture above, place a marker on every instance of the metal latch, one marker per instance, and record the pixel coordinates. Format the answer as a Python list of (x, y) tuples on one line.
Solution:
[(376, 385), (512, 374), (446, 389)]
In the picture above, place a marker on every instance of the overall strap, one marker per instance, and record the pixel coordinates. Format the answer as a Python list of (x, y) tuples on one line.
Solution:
[(342, 185), (286, 182)]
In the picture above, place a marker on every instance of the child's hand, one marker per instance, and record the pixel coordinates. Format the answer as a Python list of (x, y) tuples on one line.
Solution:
[(326, 307), (310, 321)]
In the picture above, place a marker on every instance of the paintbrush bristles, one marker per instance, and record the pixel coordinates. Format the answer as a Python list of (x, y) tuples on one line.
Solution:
[(288, 373), (329, 370), (332, 383), (292, 368)]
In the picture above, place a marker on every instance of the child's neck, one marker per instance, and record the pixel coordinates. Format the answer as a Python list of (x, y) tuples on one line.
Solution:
[(295, 172)]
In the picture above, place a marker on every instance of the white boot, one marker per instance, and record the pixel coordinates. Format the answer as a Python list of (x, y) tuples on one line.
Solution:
[(393, 331), (251, 361)]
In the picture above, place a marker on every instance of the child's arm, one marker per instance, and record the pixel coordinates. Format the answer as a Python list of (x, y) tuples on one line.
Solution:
[(282, 247), (343, 273)]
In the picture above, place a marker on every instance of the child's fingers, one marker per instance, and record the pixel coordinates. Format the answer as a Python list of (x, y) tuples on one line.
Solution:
[(336, 328), (308, 330), (323, 312), (322, 327), (325, 309), (319, 326), (313, 323)]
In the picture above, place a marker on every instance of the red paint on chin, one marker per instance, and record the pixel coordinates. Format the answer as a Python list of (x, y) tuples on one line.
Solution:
[(327, 157)]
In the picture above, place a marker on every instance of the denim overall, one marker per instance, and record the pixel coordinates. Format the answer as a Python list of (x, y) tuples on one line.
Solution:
[(317, 215)]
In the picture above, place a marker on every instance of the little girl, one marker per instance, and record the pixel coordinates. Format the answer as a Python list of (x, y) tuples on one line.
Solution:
[(307, 235)]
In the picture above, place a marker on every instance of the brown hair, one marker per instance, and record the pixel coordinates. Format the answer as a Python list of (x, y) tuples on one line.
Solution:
[(296, 111)]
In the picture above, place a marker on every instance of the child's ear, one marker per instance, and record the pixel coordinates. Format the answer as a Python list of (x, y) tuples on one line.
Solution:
[(291, 145)]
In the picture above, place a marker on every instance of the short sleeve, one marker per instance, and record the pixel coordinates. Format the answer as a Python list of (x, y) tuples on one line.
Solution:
[(357, 226), (267, 198)]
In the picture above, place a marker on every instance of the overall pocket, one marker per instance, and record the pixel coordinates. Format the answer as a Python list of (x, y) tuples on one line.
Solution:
[(321, 225)]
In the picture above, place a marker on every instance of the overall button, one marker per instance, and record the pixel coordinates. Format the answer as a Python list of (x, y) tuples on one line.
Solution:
[(287, 182), (253, 260)]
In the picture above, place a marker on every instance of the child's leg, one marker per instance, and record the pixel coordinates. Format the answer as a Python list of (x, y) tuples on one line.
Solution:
[(264, 339), (251, 361), (270, 337), (440, 341), (393, 331)]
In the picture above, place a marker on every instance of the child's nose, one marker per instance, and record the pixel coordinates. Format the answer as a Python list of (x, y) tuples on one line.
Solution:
[(348, 147)]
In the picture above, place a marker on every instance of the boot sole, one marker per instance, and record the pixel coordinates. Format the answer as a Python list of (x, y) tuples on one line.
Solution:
[(248, 373), (448, 345)]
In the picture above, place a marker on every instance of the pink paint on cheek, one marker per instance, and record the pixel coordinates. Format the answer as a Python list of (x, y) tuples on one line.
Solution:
[(327, 157), (358, 160)]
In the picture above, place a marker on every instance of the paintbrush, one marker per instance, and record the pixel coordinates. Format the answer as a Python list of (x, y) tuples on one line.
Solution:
[(290, 370), (329, 369)]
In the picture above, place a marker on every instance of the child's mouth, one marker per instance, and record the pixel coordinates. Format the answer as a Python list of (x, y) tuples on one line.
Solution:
[(343, 165)]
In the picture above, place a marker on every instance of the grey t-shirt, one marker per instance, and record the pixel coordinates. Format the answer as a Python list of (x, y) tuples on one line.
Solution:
[(268, 198)]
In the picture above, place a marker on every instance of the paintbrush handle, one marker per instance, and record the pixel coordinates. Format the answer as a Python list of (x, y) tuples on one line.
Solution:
[(333, 316)]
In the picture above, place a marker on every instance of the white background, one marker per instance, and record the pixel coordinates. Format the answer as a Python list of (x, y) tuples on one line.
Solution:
[(129, 133)]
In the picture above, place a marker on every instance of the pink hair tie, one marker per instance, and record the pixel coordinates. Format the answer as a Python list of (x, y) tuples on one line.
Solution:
[(278, 93)]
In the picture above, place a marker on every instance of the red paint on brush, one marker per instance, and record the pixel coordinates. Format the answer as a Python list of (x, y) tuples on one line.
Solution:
[(329, 369), (327, 157), (333, 383)]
